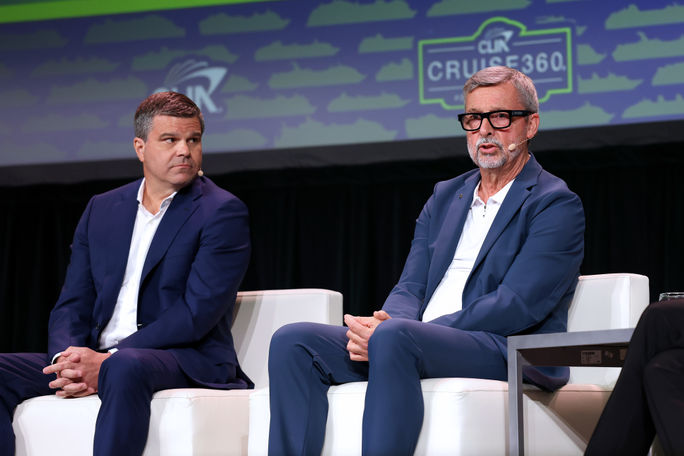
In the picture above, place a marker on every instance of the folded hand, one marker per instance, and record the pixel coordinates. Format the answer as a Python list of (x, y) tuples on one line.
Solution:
[(360, 331)]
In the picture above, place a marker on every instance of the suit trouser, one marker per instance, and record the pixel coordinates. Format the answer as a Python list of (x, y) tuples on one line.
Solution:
[(306, 358), (126, 383), (648, 397)]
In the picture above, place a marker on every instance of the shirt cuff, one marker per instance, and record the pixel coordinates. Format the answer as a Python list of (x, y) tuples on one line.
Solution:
[(54, 358)]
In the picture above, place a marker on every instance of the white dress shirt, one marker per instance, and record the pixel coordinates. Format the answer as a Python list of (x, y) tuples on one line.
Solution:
[(448, 295), (124, 321)]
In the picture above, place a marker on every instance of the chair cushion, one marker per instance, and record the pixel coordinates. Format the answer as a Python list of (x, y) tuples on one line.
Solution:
[(184, 422), (463, 416)]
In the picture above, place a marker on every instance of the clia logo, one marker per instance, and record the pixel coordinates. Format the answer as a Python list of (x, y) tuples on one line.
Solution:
[(445, 64), (495, 41), (197, 80)]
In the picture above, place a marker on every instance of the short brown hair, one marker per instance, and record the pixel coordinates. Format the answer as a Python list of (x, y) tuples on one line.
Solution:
[(172, 104)]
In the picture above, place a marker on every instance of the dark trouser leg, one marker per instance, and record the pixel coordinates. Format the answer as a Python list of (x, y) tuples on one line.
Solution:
[(21, 378), (401, 352), (626, 425), (664, 385), (304, 360), (127, 381)]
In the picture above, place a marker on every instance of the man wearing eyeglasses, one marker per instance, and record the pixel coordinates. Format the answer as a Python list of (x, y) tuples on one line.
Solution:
[(496, 252)]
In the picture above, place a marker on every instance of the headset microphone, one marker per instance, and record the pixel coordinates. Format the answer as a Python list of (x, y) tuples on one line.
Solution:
[(513, 146)]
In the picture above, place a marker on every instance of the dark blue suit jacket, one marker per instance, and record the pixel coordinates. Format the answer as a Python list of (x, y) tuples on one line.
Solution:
[(189, 281), (525, 274)]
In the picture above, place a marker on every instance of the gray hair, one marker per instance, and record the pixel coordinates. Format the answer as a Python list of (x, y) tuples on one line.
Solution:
[(496, 75)]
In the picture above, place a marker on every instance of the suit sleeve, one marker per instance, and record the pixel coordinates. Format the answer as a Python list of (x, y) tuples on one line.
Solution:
[(543, 272), (70, 319), (406, 298), (212, 284)]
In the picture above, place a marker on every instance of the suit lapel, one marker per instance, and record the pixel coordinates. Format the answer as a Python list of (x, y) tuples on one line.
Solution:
[(446, 240), (120, 231), (519, 192), (181, 208)]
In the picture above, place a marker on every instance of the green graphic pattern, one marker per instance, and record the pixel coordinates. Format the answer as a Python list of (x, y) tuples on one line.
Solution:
[(352, 81)]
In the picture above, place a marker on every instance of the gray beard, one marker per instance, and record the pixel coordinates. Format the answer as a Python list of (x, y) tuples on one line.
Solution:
[(494, 162)]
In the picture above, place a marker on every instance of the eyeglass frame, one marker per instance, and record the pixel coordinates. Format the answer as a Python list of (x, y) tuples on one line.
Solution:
[(485, 115)]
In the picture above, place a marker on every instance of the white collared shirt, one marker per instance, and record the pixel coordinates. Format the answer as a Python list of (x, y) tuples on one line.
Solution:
[(448, 295), (124, 321)]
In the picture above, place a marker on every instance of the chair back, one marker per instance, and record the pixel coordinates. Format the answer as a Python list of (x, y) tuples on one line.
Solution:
[(605, 301), (258, 314)]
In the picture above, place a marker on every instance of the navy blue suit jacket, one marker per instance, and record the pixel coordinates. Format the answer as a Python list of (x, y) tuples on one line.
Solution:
[(525, 274), (188, 286)]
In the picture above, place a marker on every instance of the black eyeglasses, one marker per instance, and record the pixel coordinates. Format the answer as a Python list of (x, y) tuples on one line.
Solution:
[(472, 121)]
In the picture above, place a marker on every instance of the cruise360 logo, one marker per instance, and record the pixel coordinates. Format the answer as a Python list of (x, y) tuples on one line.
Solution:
[(445, 64)]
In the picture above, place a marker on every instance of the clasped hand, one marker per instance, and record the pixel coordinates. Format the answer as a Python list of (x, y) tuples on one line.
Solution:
[(360, 331), (77, 371)]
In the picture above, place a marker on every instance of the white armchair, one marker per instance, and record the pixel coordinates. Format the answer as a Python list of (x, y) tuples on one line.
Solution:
[(465, 416), (188, 421)]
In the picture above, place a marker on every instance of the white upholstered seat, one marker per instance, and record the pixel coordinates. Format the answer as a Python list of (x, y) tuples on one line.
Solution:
[(188, 421), (469, 416)]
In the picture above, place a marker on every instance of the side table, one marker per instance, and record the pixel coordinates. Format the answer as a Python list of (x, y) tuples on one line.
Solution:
[(604, 348)]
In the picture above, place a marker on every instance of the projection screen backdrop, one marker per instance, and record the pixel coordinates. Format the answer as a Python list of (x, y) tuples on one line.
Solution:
[(288, 74)]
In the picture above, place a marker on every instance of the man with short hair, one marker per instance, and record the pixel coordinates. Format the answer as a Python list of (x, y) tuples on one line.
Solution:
[(148, 296), (496, 252)]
